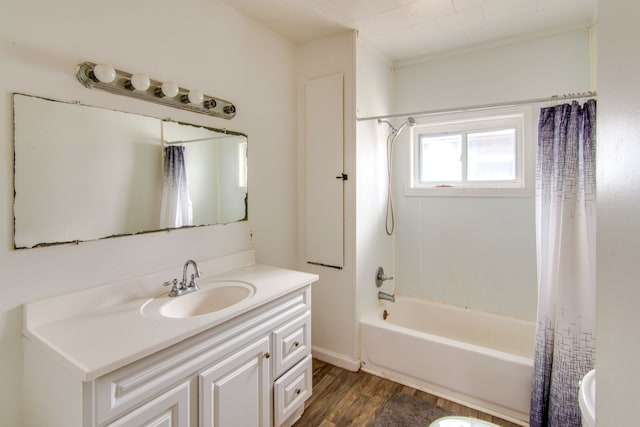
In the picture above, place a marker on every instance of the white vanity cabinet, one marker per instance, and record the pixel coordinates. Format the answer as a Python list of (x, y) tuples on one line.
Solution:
[(253, 370)]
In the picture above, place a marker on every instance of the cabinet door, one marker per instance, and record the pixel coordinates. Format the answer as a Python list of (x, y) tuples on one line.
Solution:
[(170, 409), (235, 391)]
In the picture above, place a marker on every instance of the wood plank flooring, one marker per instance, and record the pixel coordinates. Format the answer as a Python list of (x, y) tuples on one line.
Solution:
[(343, 398)]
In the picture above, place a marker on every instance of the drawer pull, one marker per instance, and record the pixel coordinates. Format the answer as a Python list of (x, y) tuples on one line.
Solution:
[(298, 390), (296, 343), (267, 355)]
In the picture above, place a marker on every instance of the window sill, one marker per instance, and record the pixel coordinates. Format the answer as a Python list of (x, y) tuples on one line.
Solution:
[(468, 192)]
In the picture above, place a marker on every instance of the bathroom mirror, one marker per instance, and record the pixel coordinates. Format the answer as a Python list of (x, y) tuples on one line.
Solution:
[(85, 173)]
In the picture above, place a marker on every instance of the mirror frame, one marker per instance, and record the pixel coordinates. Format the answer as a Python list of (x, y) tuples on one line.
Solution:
[(161, 120)]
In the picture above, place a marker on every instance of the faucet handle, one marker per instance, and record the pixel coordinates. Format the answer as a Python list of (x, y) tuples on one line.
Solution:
[(170, 282), (176, 288), (192, 282), (380, 277)]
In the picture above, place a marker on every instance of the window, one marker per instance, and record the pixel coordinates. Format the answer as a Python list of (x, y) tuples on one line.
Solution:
[(242, 165), (472, 154)]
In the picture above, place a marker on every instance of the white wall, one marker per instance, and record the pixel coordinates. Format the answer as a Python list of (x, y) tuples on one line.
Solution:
[(374, 94), (333, 296), (618, 289), (478, 252), (200, 44)]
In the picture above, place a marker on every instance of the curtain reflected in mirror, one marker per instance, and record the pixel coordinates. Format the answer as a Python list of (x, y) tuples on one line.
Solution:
[(176, 208), (84, 173)]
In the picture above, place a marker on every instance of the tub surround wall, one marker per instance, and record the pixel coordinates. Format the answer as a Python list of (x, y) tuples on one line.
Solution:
[(38, 54), (373, 247), (478, 252)]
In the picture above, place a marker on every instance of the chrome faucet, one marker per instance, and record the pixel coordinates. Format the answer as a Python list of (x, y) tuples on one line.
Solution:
[(192, 283), (380, 278), (183, 287), (386, 296)]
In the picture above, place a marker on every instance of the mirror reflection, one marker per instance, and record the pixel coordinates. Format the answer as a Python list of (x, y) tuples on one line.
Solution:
[(84, 173)]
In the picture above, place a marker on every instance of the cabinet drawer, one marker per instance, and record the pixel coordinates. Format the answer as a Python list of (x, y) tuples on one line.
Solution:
[(291, 390), (291, 343), (170, 409)]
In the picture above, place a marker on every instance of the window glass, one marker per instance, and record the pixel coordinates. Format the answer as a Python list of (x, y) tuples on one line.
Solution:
[(491, 156), (441, 158)]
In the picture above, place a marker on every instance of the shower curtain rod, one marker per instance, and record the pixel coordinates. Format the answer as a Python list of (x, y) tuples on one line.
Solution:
[(189, 140), (186, 141), (590, 94)]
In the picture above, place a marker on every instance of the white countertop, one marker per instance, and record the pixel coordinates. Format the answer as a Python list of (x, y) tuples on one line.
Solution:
[(98, 330)]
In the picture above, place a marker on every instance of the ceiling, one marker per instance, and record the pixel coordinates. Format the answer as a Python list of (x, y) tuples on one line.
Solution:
[(407, 29)]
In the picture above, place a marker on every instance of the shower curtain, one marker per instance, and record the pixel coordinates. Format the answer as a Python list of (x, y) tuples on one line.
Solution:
[(565, 231), (176, 205)]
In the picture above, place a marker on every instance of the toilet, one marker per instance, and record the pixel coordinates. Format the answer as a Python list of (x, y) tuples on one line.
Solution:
[(461, 422), (587, 399)]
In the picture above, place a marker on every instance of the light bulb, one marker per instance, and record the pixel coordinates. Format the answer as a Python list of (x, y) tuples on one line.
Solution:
[(169, 89), (104, 72), (196, 96), (140, 81)]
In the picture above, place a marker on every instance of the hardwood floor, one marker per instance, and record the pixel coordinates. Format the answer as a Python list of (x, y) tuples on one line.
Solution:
[(343, 398)]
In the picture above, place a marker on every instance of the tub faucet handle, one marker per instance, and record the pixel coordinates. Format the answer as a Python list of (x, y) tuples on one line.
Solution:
[(380, 277)]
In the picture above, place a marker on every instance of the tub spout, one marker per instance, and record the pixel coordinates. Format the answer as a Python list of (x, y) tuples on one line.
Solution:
[(386, 296)]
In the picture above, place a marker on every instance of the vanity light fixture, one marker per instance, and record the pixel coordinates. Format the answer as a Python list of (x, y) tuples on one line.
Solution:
[(140, 82), (104, 72), (195, 97), (139, 85), (169, 89)]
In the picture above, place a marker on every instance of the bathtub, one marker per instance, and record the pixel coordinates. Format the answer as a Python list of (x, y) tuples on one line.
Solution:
[(474, 358)]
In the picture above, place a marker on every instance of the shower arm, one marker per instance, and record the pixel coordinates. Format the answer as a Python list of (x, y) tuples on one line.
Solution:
[(393, 128)]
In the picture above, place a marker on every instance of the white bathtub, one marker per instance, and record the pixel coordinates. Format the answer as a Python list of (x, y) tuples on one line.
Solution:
[(478, 359)]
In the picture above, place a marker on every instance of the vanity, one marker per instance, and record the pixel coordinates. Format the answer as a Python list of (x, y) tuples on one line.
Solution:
[(237, 352)]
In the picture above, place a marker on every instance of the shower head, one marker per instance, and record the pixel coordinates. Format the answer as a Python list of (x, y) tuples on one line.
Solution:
[(411, 122)]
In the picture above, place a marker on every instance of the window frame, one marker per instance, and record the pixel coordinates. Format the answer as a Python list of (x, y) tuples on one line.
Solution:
[(470, 122)]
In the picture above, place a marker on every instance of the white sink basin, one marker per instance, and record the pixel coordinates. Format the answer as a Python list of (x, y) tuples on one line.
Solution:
[(587, 399), (212, 297)]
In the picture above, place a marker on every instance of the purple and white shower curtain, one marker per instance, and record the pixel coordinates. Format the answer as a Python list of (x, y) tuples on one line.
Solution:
[(176, 208), (566, 233)]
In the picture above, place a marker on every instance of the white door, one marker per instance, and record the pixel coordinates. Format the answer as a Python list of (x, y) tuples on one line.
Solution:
[(324, 171), (235, 391)]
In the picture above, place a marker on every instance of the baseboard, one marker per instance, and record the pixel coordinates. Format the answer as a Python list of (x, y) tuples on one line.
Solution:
[(341, 360)]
